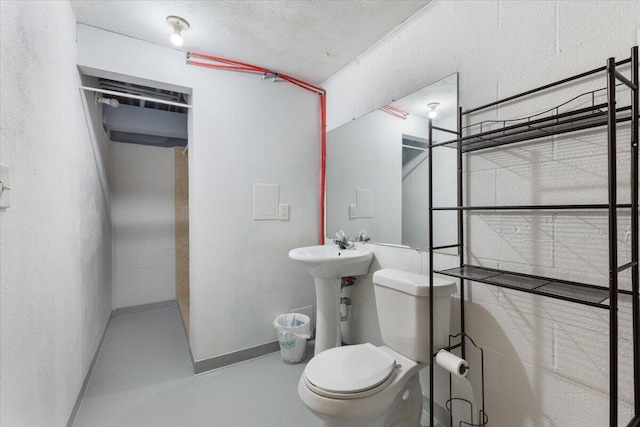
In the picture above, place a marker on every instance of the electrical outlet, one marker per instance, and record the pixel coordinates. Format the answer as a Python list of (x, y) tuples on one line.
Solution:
[(284, 212)]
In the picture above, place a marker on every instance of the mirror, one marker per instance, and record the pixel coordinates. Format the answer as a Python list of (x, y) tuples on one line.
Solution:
[(377, 171)]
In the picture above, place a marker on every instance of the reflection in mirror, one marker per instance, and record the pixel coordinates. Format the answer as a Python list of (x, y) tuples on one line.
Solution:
[(377, 170)]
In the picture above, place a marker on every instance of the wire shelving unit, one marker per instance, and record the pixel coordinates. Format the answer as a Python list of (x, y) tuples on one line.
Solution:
[(477, 137)]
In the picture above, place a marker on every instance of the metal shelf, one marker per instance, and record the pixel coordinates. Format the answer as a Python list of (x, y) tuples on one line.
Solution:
[(581, 119), (581, 293), (530, 207), (489, 134)]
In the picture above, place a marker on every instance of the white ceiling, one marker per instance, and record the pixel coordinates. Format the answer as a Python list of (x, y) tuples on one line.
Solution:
[(444, 92), (291, 37)]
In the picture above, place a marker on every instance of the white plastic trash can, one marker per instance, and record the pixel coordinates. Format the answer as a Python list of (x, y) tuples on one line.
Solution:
[(294, 329)]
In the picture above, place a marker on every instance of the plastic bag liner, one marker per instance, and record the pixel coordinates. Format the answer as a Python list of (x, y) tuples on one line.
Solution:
[(294, 329)]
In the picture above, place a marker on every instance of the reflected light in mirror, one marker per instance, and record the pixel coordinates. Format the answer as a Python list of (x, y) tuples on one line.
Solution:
[(433, 113)]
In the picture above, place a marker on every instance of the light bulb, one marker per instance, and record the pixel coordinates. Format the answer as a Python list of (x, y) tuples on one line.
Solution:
[(433, 113), (176, 37)]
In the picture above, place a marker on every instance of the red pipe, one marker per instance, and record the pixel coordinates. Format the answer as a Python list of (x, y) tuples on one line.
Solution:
[(323, 154), (233, 65), (394, 113), (291, 79), (223, 67)]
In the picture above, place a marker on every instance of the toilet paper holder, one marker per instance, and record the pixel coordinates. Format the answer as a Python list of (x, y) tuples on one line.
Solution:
[(482, 417)]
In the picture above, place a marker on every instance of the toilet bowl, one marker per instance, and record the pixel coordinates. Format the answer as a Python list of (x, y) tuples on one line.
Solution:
[(364, 386), (367, 386)]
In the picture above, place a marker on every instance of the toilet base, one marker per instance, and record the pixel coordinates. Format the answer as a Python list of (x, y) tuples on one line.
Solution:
[(372, 411)]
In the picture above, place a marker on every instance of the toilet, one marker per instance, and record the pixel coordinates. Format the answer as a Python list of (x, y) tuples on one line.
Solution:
[(367, 386)]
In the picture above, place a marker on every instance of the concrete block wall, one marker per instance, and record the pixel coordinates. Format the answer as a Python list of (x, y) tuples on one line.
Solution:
[(143, 224), (546, 360), (55, 238)]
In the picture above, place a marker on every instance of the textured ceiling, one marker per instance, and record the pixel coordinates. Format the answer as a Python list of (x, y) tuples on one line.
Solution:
[(444, 92), (287, 36)]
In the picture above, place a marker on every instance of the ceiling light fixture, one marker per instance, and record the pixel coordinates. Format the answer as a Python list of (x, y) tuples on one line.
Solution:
[(433, 113), (179, 25), (112, 102)]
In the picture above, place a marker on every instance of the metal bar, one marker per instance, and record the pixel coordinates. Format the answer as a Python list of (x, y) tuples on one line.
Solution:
[(440, 144), (541, 88), (596, 120), (533, 291), (460, 201), (126, 95), (455, 132), (413, 148), (449, 348), (435, 248), (613, 245), (529, 207), (635, 422), (528, 276), (635, 273), (626, 81), (450, 391), (551, 119), (626, 266), (431, 346), (588, 125)]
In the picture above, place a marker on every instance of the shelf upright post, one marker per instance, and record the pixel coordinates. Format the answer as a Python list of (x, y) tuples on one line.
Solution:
[(634, 229), (613, 244), (431, 349), (461, 228)]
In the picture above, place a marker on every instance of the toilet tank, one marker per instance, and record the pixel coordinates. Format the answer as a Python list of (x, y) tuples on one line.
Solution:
[(402, 301)]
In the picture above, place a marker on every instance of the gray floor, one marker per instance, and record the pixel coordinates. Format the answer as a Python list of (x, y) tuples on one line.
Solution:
[(143, 377)]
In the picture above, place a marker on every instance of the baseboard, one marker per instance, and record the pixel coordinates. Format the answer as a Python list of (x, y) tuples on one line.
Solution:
[(145, 307), (87, 378), (227, 359)]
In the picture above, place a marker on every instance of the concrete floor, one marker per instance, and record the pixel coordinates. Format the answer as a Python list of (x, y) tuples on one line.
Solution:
[(143, 378)]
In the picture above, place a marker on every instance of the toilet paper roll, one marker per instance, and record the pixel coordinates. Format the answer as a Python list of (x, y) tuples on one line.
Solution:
[(452, 363)]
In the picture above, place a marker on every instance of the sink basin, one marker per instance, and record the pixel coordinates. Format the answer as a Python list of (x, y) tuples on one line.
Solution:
[(328, 264), (331, 262)]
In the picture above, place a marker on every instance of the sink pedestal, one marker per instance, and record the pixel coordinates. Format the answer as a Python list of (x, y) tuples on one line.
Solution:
[(327, 314), (328, 264)]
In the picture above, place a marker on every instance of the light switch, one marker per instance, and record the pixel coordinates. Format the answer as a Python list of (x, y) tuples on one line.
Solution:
[(284, 211), (353, 213), (5, 187)]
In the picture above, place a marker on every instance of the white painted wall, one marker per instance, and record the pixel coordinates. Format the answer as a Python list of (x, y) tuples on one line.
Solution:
[(242, 130), (55, 239), (546, 360), (143, 224)]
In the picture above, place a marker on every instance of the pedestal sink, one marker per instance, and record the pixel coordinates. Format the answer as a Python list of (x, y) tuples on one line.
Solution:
[(328, 264)]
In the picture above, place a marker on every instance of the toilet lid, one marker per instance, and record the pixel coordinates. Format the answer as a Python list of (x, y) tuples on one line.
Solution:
[(350, 369)]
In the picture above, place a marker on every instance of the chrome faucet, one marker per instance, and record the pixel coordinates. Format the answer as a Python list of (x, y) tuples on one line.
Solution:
[(362, 236), (342, 240)]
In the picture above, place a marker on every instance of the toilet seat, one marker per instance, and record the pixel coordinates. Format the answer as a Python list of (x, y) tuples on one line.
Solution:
[(350, 372)]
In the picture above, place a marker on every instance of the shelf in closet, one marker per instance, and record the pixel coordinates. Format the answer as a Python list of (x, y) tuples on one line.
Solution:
[(581, 293)]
